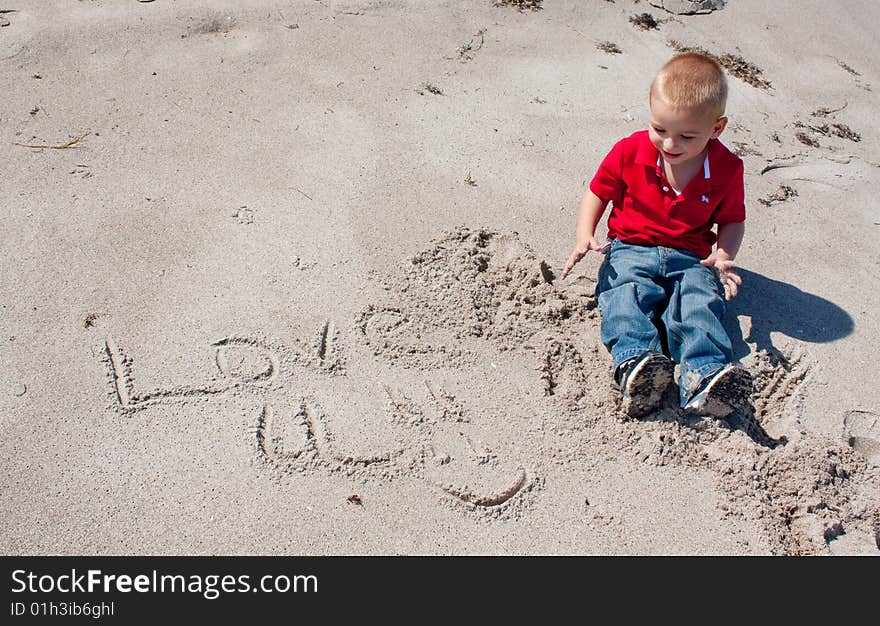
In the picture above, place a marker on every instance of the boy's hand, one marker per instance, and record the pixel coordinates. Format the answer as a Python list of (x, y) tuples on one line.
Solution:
[(579, 252), (723, 264)]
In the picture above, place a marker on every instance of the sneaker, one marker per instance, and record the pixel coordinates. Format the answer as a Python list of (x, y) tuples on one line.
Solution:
[(643, 381), (722, 393)]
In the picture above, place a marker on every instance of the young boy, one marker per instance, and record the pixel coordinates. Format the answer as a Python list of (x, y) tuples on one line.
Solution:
[(668, 186)]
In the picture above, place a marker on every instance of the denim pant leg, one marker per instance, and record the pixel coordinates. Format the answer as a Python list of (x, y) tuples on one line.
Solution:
[(695, 332), (629, 299)]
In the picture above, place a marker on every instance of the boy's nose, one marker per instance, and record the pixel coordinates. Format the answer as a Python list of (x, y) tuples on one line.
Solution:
[(669, 145)]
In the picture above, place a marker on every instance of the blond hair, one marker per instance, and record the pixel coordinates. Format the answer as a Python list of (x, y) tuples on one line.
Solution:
[(692, 81)]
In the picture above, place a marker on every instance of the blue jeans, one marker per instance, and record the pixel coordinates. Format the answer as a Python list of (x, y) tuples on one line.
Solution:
[(639, 286)]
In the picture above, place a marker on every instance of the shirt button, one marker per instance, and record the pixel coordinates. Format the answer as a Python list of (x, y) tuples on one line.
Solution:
[(665, 188)]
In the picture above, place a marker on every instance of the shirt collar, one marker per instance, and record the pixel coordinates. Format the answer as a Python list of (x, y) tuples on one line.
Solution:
[(649, 156), (707, 173)]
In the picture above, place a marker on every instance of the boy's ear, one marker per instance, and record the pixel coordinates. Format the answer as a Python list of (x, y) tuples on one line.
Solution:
[(720, 125)]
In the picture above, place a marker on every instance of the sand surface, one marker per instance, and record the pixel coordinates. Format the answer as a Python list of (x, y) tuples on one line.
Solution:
[(287, 283)]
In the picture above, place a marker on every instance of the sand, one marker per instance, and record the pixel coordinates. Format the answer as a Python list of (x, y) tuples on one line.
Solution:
[(283, 278)]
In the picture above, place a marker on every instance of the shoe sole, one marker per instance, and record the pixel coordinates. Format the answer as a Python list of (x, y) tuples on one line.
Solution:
[(729, 391), (646, 386)]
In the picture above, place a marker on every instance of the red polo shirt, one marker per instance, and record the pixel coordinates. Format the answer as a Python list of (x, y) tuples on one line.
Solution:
[(645, 208)]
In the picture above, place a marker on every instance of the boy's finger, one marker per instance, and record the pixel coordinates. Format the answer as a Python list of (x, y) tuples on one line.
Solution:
[(731, 289)]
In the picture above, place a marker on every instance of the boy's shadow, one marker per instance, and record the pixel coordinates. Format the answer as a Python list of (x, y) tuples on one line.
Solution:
[(774, 306)]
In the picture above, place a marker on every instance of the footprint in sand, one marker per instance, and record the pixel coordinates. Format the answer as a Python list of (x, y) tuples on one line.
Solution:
[(861, 431)]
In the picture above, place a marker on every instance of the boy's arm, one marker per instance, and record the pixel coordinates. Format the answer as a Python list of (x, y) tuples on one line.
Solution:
[(590, 212), (730, 237)]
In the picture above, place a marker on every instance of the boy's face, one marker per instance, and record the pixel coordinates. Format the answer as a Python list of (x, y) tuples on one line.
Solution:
[(681, 135)]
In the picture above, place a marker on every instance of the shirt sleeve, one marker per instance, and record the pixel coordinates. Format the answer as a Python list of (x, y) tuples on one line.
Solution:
[(608, 183), (732, 208)]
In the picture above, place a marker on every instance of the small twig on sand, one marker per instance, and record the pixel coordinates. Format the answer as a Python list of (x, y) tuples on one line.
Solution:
[(73, 143), (303, 193), (791, 161)]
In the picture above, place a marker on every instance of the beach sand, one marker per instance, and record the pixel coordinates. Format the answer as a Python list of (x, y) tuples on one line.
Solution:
[(283, 278)]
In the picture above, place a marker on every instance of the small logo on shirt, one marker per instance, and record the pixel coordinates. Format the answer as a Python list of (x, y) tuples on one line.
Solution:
[(705, 198)]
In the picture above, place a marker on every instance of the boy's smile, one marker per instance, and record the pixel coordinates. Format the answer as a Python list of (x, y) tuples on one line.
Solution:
[(681, 135)]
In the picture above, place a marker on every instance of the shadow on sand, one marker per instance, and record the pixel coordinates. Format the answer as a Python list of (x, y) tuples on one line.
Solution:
[(774, 306)]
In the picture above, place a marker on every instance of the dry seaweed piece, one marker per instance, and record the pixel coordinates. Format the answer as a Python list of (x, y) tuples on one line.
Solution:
[(780, 195), (680, 47), (805, 139), (609, 47), (430, 89), (837, 130), (645, 21), (845, 132), (355, 499), (470, 181), (734, 64), (465, 52), (847, 68), (90, 320), (520, 5), (744, 70), (741, 149)]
